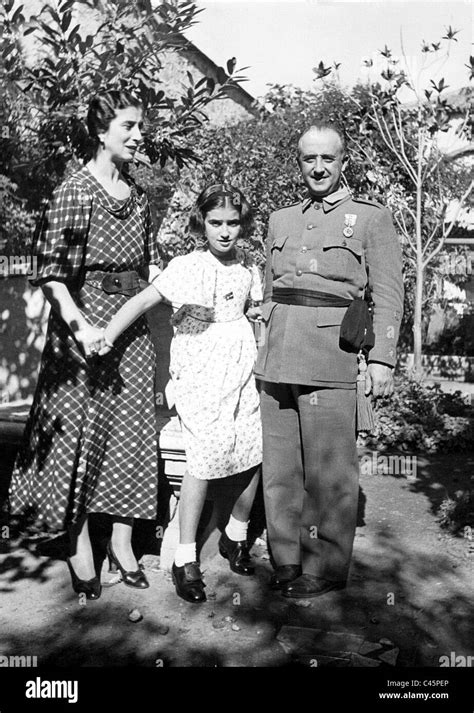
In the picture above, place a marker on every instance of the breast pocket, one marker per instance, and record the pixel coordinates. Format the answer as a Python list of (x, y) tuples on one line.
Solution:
[(342, 259), (277, 250)]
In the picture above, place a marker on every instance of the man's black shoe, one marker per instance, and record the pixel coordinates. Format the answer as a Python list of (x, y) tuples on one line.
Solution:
[(308, 586), (284, 574)]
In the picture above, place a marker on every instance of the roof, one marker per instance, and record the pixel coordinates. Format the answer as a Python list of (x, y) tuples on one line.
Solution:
[(202, 62)]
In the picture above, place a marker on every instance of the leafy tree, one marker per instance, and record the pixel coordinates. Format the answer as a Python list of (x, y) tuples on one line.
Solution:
[(52, 62), (394, 158), (419, 182)]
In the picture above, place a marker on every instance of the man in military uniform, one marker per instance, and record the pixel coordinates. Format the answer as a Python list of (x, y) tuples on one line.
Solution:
[(322, 252)]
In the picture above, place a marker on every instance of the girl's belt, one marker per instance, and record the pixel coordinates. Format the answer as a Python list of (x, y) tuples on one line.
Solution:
[(127, 283), (307, 298)]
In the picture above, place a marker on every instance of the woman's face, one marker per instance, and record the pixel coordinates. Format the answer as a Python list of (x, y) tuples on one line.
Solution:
[(123, 135), (222, 228)]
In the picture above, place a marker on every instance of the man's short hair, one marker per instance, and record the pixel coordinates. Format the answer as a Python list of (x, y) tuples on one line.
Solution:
[(326, 126)]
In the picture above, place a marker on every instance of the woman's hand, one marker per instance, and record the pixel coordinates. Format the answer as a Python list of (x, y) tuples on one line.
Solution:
[(90, 339)]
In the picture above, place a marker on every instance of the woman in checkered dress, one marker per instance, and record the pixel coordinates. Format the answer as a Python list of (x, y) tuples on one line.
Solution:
[(90, 442)]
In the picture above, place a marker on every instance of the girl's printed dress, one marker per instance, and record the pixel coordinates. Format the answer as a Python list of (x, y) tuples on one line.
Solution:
[(90, 442), (212, 357)]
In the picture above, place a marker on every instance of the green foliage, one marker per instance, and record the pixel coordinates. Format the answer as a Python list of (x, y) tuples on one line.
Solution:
[(15, 220), (457, 513), (394, 158), (53, 62), (80, 52), (422, 419), (457, 336), (419, 181), (259, 157)]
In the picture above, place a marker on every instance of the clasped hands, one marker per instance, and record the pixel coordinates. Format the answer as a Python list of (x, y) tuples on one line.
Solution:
[(92, 341), (254, 313)]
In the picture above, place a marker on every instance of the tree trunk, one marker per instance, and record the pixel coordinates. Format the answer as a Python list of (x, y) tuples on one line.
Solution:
[(418, 322)]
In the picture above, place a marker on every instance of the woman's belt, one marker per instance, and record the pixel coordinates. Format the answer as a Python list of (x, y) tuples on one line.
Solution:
[(127, 283), (307, 298)]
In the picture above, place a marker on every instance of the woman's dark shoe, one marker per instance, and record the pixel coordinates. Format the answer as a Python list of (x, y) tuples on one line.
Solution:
[(238, 555), (188, 582), (135, 578), (90, 587), (284, 574)]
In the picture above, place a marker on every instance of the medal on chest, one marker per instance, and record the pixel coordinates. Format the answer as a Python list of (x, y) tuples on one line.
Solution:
[(349, 221)]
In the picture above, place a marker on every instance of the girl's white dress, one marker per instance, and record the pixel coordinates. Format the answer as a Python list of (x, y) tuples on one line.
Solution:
[(212, 357)]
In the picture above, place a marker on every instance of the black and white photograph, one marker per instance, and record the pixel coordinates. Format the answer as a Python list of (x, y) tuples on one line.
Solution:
[(236, 351)]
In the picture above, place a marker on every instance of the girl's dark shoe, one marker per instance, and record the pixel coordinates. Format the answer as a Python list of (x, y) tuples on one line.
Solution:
[(238, 555), (135, 578), (188, 582), (90, 587)]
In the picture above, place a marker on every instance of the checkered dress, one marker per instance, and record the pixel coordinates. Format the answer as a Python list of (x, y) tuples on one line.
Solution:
[(90, 441)]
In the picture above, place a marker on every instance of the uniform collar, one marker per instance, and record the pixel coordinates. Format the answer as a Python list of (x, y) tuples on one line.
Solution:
[(329, 202)]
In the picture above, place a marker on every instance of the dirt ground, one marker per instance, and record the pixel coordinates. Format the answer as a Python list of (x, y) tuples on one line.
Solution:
[(408, 603)]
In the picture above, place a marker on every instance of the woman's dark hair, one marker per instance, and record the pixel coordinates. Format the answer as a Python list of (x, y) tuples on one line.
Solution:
[(220, 195), (103, 108)]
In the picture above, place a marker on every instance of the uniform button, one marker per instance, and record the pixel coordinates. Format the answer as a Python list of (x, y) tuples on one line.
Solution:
[(310, 226), (344, 244), (316, 206), (299, 272), (304, 249)]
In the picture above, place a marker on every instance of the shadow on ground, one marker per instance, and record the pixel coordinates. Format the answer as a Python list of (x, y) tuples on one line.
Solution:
[(410, 598)]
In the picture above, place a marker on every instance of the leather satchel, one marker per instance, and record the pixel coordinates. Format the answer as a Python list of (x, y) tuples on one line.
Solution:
[(357, 330)]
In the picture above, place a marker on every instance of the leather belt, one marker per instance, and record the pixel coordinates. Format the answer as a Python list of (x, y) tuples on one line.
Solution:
[(127, 283), (307, 298)]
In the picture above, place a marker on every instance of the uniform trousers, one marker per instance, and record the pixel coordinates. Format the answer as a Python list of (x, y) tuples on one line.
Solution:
[(310, 476)]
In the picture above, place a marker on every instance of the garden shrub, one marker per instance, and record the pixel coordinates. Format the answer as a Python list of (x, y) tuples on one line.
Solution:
[(423, 419)]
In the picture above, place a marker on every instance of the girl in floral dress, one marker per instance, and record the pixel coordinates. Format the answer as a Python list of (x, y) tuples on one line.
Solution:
[(212, 357)]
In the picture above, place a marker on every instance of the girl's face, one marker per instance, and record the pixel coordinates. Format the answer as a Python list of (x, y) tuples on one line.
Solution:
[(124, 134), (222, 228)]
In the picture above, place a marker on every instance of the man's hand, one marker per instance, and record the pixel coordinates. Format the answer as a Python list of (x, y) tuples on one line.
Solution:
[(379, 380)]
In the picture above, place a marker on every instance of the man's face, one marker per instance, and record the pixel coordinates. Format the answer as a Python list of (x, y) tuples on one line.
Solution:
[(321, 161)]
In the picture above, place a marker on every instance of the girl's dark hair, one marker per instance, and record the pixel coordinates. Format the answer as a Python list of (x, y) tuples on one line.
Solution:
[(220, 195), (103, 108)]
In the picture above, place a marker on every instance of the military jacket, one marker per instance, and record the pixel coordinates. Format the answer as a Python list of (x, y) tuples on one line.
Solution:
[(339, 245)]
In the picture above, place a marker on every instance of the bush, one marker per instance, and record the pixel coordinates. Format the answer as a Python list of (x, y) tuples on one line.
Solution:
[(457, 513), (423, 419)]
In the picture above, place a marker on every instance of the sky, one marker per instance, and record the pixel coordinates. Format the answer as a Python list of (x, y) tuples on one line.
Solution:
[(282, 41)]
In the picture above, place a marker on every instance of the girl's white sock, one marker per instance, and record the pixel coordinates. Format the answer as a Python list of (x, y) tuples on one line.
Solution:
[(185, 554), (236, 529)]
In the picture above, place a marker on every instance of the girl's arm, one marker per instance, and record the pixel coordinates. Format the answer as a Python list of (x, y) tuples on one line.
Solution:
[(129, 312), (59, 297)]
